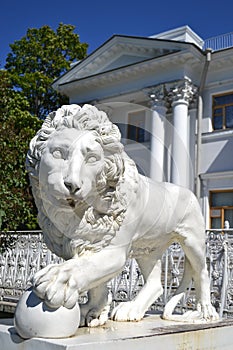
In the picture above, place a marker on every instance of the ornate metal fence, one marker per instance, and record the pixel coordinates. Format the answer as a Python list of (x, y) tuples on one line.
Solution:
[(219, 251), (24, 253)]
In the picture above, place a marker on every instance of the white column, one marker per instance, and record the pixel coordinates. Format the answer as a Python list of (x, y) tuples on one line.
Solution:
[(180, 147), (205, 202), (180, 96), (192, 147), (157, 143)]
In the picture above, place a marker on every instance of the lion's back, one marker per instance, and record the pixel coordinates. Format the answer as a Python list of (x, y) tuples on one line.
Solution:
[(167, 206)]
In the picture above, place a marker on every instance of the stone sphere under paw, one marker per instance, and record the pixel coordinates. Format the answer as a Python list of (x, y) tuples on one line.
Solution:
[(33, 318)]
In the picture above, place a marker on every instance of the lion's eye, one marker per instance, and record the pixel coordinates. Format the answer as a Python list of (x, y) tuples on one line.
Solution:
[(57, 153), (92, 159)]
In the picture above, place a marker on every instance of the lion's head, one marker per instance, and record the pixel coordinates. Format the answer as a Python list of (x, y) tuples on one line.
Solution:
[(81, 178)]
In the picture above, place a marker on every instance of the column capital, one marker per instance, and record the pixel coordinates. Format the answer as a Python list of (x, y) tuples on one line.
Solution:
[(181, 90), (157, 96), (167, 94)]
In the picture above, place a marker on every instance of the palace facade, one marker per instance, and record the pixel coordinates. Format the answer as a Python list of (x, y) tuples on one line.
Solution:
[(171, 95)]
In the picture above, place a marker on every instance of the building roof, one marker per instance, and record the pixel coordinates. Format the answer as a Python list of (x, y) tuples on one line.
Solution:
[(121, 51), (124, 62)]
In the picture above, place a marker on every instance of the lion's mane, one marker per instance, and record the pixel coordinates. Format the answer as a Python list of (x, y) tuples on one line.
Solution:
[(95, 230)]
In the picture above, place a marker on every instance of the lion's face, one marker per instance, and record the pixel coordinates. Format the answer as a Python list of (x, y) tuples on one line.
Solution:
[(81, 178), (70, 165)]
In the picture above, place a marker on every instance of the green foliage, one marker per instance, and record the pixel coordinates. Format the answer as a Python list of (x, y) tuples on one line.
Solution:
[(38, 59), (17, 127), (26, 97)]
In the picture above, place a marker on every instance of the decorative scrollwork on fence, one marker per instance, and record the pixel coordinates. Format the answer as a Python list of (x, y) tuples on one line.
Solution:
[(25, 253)]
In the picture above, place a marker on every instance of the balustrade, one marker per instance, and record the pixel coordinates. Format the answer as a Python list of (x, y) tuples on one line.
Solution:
[(219, 42)]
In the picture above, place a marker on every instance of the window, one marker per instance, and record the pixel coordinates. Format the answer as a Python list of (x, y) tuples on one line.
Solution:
[(221, 209), (136, 127), (223, 111)]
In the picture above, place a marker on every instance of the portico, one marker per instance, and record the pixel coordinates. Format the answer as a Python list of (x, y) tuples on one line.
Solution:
[(173, 98)]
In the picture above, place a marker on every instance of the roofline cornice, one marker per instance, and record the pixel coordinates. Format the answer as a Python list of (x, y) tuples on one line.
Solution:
[(193, 56), (115, 44)]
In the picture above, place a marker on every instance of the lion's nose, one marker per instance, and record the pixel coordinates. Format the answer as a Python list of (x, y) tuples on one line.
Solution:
[(72, 187)]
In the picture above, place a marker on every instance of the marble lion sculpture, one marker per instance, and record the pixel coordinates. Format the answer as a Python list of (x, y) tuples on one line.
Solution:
[(96, 211)]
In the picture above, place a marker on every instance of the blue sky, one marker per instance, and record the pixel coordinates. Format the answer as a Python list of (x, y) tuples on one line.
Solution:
[(97, 20)]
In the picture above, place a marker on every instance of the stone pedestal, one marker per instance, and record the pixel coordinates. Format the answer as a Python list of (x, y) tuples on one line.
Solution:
[(150, 333)]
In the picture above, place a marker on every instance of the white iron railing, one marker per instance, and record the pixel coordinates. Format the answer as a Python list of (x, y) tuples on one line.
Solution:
[(219, 42), (24, 253)]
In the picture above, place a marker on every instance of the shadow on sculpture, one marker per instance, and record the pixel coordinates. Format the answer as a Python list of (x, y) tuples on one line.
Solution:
[(96, 211)]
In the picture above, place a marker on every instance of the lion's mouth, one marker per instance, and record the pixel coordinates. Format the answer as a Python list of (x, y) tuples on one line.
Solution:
[(71, 202), (76, 204)]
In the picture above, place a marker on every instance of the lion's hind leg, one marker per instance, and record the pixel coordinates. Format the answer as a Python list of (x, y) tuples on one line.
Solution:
[(180, 292), (196, 269), (134, 310), (205, 312)]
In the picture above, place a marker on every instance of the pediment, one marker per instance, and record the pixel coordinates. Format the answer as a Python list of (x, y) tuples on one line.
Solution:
[(120, 51)]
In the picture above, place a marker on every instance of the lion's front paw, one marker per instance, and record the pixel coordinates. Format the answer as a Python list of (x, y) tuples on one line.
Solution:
[(128, 311), (56, 285)]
